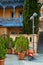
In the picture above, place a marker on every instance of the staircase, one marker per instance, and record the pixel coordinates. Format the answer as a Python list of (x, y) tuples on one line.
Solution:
[(40, 43)]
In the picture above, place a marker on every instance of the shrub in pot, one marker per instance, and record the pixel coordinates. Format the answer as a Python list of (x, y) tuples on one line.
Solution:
[(21, 45), (26, 45), (15, 51), (9, 44), (3, 51), (13, 46)]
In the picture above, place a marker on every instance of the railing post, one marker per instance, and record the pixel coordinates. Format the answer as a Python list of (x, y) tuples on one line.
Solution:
[(3, 12), (14, 11)]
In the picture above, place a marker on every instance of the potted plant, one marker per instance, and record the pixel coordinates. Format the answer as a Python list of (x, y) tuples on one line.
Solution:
[(26, 45), (9, 44), (3, 51), (15, 51), (21, 45)]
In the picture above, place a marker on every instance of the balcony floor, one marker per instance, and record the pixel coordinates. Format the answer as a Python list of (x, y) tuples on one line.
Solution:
[(13, 60)]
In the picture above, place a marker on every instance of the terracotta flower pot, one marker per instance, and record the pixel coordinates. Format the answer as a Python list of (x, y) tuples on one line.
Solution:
[(15, 52), (2, 61), (21, 56), (9, 51), (30, 53)]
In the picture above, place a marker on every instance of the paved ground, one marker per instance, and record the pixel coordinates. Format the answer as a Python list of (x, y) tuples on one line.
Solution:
[(13, 60)]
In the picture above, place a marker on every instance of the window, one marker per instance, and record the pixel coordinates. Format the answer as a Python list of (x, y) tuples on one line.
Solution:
[(30, 39), (12, 14), (20, 13)]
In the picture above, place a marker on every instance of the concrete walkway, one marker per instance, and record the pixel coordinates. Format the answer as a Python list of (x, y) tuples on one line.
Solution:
[(13, 60)]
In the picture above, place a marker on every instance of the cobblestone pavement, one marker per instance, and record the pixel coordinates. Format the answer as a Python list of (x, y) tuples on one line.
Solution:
[(13, 60)]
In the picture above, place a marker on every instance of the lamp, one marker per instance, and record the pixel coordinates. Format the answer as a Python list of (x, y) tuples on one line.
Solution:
[(32, 18)]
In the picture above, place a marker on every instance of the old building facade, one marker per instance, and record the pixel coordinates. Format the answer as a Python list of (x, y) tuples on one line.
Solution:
[(11, 16)]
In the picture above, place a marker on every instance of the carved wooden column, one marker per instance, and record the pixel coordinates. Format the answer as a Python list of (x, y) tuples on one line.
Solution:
[(14, 11), (3, 12)]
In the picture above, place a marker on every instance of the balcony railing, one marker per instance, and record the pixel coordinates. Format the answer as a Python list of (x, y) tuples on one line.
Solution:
[(11, 21)]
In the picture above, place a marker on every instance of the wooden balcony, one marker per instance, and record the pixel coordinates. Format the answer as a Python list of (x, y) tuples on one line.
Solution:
[(11, 22)]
